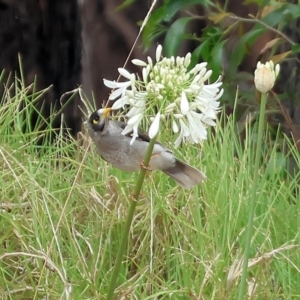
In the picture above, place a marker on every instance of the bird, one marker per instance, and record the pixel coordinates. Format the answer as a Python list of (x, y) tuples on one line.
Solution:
[(115, 148)]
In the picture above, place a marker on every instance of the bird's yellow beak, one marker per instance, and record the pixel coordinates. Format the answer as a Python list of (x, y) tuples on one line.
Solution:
[(104, 112)]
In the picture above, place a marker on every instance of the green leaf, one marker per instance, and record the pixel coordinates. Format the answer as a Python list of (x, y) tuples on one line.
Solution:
[(153, 28), (293, 9), (273, 18), (164, 14), (196, 54), (242, 46), (216, 61), (174, 36), (284, 15), (125, 4), (296, 48), (172, 7)]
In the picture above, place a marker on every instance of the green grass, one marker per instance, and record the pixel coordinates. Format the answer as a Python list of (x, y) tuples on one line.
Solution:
[(63, 210)]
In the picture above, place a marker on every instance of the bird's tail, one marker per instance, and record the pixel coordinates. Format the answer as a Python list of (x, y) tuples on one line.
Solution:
[(185, 175)]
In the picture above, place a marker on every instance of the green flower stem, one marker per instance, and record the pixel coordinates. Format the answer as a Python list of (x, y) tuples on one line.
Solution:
[(252, 204), (124, 240)]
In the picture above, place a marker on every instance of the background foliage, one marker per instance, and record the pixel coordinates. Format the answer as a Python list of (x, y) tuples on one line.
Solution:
[(232, 36), (63, 209)]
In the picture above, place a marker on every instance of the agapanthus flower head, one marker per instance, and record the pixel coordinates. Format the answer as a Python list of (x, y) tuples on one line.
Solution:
[(265, 76), (170, 94)]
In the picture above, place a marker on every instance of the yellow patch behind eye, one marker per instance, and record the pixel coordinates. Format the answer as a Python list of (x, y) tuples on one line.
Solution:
[(95, 122)]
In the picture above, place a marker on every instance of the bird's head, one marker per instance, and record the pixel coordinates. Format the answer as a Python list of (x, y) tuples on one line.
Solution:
[(99, 119)]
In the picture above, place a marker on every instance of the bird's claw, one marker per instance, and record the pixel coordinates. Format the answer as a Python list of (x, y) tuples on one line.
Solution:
[(134, 198), (143, 166), (148, 168)]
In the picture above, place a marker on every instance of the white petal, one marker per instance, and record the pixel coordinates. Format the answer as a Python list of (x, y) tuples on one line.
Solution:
[(184, 104), (120, 103), (175, 127), (141, 95), (277, 69), (171, 85), (110, 84), (169, 108), (208, 121), (178, 142), (207, 75), (133, 126), (139, 62), (179, 139), (125, 73), (187, 59), (198, 67), (145, 73), (271, 65), (150, 63), (116, 93), (154, 128), (184, 128), (129, 94), (135, 131), (178, 116), (134, 136), (211, 113), (219, 94), (119, 88), (135, 119), (197, 78), (158, 53), (194, 88), (135, 110), (200, 75), (259, 65), (127, 129), (160, 86), (132, 80), (184, 132), (197, 130)]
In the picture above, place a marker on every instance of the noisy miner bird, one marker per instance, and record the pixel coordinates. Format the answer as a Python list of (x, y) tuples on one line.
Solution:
[(115, 148)]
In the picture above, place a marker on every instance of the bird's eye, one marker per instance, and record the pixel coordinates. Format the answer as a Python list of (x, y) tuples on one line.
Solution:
[(96, 121)]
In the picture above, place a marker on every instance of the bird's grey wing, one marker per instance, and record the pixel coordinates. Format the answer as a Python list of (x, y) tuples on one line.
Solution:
[(142, 135)]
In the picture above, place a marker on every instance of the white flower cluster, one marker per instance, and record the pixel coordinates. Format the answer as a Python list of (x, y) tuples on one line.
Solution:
[(178, 95)]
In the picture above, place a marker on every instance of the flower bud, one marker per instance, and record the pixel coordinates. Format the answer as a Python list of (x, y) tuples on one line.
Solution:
[(158, 53), (187, 59), (125, 73), (170, 107), (139, 62), (175, 127), (265, 76), (154, 128), (184, 104)]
